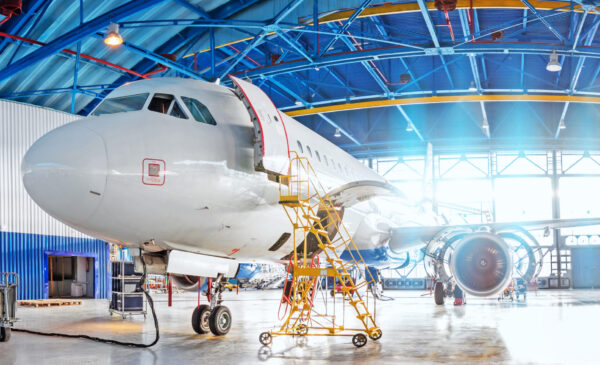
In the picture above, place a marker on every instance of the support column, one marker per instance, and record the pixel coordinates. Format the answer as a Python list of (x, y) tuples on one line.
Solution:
[(556, 215)]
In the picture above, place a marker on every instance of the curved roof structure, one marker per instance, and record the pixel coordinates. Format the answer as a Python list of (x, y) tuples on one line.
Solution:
[(390, 76)]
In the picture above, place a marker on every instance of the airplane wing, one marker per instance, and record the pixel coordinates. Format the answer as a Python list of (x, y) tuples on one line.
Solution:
[(401, 235)]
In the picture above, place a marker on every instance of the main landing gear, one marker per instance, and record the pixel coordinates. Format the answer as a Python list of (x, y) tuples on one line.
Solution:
[(215, 318)]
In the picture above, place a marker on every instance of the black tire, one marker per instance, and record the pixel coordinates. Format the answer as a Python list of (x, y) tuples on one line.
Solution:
[(438, 293), (359, 340), (376, 335), (332, 292), (265, 338), (220, 320), (200, 319), (5, 334)]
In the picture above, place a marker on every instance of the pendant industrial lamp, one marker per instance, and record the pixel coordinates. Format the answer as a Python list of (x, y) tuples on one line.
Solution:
[(113, 38), (553, 65)]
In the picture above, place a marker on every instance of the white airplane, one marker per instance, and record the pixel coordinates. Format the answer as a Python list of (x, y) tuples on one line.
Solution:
[(184, 170)]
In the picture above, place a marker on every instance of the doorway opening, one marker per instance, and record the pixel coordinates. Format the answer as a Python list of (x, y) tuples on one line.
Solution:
[(70, 276)]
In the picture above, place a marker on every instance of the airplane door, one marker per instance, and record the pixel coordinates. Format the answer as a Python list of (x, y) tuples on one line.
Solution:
[(271, 148)]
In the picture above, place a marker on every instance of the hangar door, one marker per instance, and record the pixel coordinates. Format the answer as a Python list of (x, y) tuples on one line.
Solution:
[(585, 264), (271, 149)]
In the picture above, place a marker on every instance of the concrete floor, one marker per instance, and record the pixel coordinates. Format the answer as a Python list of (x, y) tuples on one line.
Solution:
[(554, 327)]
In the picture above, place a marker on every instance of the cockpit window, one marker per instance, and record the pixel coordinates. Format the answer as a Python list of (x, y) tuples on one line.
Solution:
[(160, 103), (199, 111), (176, 111), (121, 104)]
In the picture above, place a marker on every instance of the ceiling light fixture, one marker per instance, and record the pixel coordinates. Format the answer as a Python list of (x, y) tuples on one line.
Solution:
[(337, 133), (113, 38), (409, 127), (298, 102), (485, 125), (562, 125), (472, 86), (553, 65)]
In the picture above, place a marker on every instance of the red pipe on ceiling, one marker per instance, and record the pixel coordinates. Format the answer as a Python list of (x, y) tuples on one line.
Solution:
[(144, 76)]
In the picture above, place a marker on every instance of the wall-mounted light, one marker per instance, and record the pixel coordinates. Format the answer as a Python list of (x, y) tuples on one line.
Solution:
[(337, 133), (553, 65), (113, 38)]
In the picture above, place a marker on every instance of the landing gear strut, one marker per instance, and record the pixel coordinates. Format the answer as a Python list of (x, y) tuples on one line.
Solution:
[(215, 318)]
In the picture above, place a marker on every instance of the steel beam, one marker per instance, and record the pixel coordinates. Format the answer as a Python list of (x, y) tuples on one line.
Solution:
[(445, 99), (434, 37), (80, 32), (259, 37), (543, 20), (345, 27)]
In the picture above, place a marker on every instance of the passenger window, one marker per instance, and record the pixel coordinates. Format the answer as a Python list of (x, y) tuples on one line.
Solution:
[(199, 111), (176, 111), (300, 147), (309, 151), (325, 159), (318, 156), (160, 103), (121, 104)]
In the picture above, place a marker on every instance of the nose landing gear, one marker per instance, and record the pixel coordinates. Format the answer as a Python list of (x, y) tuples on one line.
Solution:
[(215, 318)]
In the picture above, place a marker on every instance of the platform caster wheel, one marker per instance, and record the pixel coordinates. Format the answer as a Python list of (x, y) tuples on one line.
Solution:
[(332, 292), (5, 334), (359, 340), (376, 335), (265, 338), (220, 320), (302, 329), (200, 319), (438, 292)]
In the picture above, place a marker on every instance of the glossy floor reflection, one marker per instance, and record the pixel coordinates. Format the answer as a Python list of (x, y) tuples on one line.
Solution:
[(552, 327)]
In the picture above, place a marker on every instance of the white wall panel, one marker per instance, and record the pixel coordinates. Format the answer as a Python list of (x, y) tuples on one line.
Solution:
[(20, 126)]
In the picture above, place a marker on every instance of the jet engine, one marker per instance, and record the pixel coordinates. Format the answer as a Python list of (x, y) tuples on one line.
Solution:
[(482, 263)]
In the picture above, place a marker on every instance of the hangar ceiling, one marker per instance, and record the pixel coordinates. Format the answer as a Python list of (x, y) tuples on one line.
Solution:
[(390, 76)]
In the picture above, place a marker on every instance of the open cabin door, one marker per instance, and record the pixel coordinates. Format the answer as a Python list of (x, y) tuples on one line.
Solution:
[(271, 149)]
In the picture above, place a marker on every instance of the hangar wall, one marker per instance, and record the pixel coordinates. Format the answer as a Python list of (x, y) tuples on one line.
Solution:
[(27, 234)]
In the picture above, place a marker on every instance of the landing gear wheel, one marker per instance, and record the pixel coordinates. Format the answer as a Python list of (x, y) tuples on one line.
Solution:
[(332, 292), (200, 319), (220, 320), (265, 338), (438, 292), (359, 340), (375, 334), (5, 334)]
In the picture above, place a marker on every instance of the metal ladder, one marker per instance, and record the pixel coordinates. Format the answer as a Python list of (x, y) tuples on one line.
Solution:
[(312, 212)]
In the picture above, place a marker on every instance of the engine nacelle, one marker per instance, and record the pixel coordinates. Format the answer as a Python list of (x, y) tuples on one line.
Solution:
[(186, 282), (482, 263)]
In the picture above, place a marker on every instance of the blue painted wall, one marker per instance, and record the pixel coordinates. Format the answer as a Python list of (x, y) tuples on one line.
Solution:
[(26, 254)]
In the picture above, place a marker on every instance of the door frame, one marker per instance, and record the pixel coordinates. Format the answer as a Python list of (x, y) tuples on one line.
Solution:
[(49, 253)]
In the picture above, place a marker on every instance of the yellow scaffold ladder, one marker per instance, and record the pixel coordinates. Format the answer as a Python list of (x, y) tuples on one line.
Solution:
[(316, 219)]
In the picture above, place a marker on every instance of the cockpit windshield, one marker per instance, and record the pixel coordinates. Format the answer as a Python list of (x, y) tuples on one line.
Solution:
[(121, 104)]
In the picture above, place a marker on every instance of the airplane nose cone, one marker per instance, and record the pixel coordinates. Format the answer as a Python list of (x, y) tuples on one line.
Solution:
[(64, 172)]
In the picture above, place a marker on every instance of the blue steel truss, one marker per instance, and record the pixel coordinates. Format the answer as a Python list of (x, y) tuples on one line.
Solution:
[(304, 57)]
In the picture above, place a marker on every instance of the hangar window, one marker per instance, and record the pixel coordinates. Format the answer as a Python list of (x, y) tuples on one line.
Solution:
[(318, 156), (199, 111), (121, 104), (300, 148)]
